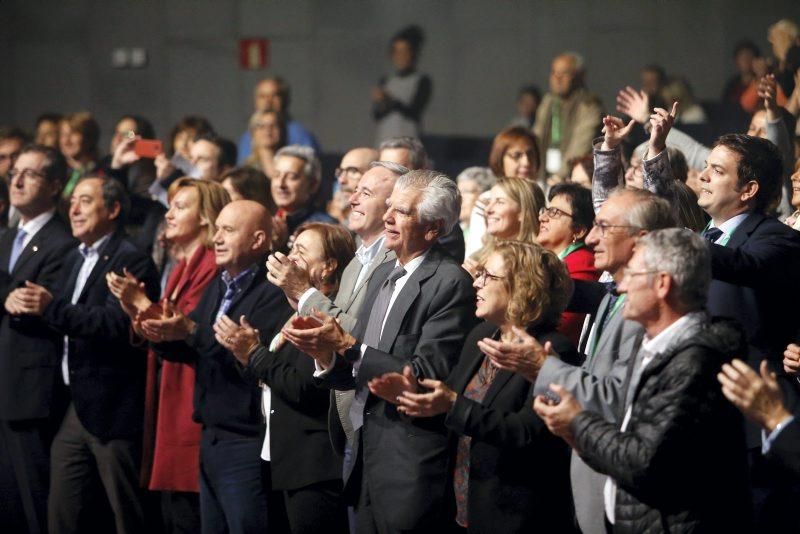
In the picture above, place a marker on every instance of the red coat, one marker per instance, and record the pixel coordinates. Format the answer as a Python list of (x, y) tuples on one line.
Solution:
[(171, 450), (580, 265)]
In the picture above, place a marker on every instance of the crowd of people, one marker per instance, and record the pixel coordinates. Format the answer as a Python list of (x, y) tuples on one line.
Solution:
[(585, 335)]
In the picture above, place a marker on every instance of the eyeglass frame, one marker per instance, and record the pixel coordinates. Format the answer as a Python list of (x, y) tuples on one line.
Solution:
[(486, 275), (604, 227), (12, 173), (338, 172), (558, 212)]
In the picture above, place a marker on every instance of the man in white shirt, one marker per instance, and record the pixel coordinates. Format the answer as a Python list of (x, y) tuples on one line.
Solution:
[(677, 461)]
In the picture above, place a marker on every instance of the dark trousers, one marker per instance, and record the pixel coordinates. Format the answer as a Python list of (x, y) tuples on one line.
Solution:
[(24, 473), (180, 511), (232, 497), (79, 459)]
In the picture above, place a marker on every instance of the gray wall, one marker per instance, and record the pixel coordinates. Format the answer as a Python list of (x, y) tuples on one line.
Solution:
[(57, 55)]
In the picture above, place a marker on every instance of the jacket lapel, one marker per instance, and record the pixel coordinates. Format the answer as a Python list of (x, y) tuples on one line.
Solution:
[(383, 256), (34, 244), (104, 255), (743, 231), (497, 386), (6, 242), (406, 298)]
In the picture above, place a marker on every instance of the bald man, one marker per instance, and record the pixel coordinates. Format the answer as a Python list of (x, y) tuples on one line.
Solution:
[(354, 164), (227, 402)]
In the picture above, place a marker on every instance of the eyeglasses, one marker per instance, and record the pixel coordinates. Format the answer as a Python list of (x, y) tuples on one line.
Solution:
[(629, 273), (347, 170), (25, 174), (603, 227), (483, 276), (265, 126), (553, 213)]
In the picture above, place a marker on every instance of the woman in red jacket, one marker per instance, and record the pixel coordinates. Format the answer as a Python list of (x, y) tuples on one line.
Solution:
[(563, 225), (171, 448)]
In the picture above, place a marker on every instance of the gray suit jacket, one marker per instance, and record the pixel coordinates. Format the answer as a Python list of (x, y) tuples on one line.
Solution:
[(599, 385), (345, 309)]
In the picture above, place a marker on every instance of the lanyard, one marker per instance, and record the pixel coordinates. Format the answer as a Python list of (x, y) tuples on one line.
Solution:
[(555, 123), (570, 249), (605, 320)]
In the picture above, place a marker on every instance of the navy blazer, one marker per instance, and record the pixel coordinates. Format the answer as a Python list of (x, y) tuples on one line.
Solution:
[(30, 353), (106, 372), (754, 276), (225, 398)]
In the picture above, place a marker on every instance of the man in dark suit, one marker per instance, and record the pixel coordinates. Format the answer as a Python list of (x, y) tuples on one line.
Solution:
[(227, 401), (754, 258), (33, 251), (100, 435), (416, 315)]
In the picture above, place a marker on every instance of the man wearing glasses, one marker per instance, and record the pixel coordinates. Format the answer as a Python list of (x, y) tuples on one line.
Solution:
[(30, 411), (354, 164)]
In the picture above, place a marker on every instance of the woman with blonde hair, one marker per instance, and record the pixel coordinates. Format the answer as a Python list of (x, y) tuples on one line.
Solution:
[(503, 452), (268, 135), (171, 448), (511, 213)]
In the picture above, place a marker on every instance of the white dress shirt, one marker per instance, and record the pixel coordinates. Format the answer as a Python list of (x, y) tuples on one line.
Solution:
[(90, 256), (34, 225), (728, 227)]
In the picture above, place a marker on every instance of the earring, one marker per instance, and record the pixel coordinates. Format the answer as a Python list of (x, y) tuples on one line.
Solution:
[(574, 238)]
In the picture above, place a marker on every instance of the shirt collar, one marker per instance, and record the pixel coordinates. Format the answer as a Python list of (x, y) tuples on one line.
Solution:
[(94, 249), (412, 266), (673, 333), (365, 255), (239, 279), (37, 223), (731, 224)]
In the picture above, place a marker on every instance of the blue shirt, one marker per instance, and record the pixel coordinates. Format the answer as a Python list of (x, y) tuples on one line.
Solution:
[(296, 134)]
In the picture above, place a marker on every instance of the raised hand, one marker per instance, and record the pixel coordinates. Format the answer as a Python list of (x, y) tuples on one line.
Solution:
[(164, 167), (172, 326), (758, 397), (287, 275), (633, 103), (124, 153), (558, 416), (391, 386), (524, 356), (614, 132), (321, 341), (437, 401), (768, 91), (791, 359), (129, 291), (661, 122)]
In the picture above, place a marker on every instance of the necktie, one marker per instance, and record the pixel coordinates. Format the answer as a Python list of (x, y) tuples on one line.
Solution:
[(712, 234), (372, 337), (373, 333), (16, 249)]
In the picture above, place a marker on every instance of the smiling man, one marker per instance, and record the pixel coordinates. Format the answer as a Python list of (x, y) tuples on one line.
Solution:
[(417, 313)]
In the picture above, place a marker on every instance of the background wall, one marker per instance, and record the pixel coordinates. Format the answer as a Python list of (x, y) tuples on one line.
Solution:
[(57, 55)]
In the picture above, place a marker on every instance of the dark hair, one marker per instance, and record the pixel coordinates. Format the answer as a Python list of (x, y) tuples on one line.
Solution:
[(530, 90), (684, 206), (200, 125), (504, 140), (113, 193), (48, 117), (580, 200), (337, 245), (759, 161), (252, 184), (84, 123), (143, 126), (227, 149), (13, 132), (658, 70), (413, 35), (677, 160), (746, 44), (586, 162), (55, 169)]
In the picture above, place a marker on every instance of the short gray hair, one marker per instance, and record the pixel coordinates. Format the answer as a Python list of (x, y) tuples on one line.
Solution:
[(650, 212), (576, 58), (684, 255), (416, 150), (312, 168), (395, 168), (441, 200), (483, 176)]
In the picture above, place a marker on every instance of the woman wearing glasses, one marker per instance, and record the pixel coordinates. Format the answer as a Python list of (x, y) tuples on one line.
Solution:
[(563, 226), (509, 473)]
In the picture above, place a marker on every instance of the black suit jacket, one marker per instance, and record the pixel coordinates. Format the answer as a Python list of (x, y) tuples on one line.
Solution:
[(226, 399), (752, 274), (785, 450), (518, 470), (405, 460), (30, 353), (106, 371), (300, 447)]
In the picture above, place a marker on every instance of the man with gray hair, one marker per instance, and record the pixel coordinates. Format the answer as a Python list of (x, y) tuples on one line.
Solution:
[(568, 117), (294, 186), (676, 462), (413, 323), (406, 151)]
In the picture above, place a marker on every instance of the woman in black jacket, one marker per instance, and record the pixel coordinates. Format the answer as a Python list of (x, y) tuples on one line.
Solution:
[(510, 475), (302, 463)]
